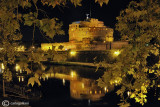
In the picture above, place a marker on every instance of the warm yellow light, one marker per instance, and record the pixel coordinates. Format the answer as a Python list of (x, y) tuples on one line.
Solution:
[(47, 77), (73, 53), (109, 39), (90, 92), (2, 66), (22, 78), (20, 70), (63, 81), (116, 53), (73, 74), (105, 89), (82, 85), (19, 78), (128, 93), (95, 92), (20, 48), (17, 67)]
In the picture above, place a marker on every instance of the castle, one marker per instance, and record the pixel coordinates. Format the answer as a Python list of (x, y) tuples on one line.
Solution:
[(90, 30), (90, 34)]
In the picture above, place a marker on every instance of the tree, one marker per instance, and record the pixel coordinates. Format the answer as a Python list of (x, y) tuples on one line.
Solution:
[(133, 72), (12, 17)]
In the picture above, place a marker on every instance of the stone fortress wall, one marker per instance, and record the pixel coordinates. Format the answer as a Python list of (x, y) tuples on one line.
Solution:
[(90, 34)]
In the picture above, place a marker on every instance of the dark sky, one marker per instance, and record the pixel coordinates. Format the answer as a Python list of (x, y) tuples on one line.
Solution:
[(70, 13)]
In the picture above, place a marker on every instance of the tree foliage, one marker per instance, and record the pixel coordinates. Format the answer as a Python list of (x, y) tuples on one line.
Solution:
[(17, 13), (140, 25)]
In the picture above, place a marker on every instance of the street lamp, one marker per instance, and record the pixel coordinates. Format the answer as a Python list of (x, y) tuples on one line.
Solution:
[(73, 53), (2, 67), (116, 53)]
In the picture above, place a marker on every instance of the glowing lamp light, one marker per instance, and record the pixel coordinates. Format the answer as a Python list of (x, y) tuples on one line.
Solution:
[(95, 92), (73, 74), (128, 93), (19, 79), (2, 66), (73, 53), (17, 67), (20, 70), (116, 53), (82, 85), (90, 92), (63, 81), (105, 89), (22, 78)]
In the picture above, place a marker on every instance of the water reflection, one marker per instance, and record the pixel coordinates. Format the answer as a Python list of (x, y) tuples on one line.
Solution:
[(83, 84), (80, 87), (20, 78), (85, 89)]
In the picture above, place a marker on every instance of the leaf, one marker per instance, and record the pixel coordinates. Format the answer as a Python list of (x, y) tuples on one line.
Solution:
[(39, 72), (101, 83), (44, 76), (7, 75), (121, 91), (51, 27), (33, 80), (36, 75), (102, 1), (28, 71), (43, 67)]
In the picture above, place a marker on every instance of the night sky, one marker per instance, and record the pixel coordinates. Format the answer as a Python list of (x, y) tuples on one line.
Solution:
[(70, 13)]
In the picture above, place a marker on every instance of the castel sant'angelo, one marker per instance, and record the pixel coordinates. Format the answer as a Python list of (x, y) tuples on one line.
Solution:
[(90, 34), (90, 30)]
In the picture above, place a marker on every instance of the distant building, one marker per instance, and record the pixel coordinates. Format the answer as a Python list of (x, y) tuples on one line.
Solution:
[(90, 30), (90, 34)]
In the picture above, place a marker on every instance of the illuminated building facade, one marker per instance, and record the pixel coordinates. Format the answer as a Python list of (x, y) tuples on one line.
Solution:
[(89, 30), (90, 34)]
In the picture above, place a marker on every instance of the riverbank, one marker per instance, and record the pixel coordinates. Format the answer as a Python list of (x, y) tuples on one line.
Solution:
[(84, 64)]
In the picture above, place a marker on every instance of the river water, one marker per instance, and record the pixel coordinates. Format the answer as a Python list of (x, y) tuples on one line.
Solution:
[(72, 86)]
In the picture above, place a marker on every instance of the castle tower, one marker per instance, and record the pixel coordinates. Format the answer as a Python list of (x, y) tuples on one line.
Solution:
[(91, 29)]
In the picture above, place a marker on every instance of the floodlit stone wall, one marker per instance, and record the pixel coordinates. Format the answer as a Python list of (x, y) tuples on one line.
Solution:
[(91, 34), (93, 29), (72, 46)]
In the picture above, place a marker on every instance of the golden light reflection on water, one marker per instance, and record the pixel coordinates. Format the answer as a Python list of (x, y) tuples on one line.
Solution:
[(63, 81), (20, 78), (80, 87)]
